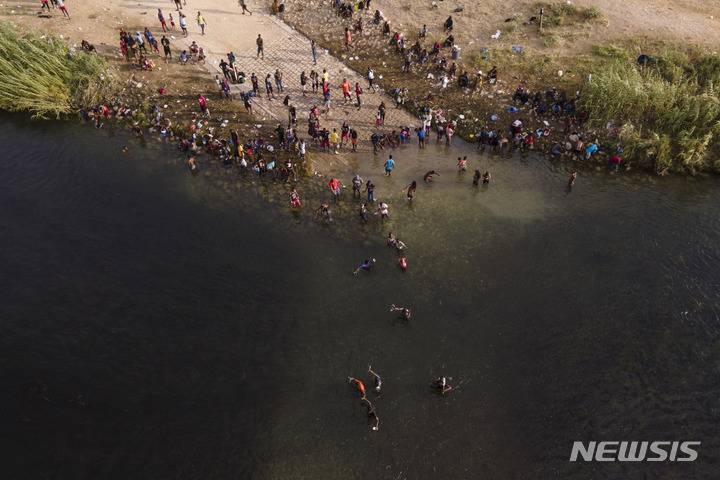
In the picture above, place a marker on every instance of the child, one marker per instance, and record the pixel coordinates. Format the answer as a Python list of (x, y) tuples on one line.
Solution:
[(462, 164), (294, 198)]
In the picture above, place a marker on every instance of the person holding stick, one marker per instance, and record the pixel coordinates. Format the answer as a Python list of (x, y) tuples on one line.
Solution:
[(441, 384)]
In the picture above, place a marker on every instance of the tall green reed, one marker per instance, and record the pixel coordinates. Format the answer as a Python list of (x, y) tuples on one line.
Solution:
[(668, 111), (42, 76)]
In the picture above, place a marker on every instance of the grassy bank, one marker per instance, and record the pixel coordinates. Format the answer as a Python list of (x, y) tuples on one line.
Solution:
[(666, 113), (40, 75)]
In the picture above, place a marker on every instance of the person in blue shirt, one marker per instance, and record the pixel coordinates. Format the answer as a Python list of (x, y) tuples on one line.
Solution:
[(421, 137), (389, 164), (590, 150), (378, 380), (367, 265)]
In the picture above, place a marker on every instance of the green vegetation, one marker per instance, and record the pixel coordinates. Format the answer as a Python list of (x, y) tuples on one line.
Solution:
[(611, 51), (668, 111), (512, 26), (561, 13), (510, 60), (554, 39), (41, 76), (591, 13)]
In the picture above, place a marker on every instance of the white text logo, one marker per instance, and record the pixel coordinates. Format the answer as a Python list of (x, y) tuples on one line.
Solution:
[(634, 451)]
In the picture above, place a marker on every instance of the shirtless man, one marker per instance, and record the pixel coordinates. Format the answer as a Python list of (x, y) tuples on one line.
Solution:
[(373, 414), (410, 190), (441, 384), (325, 210), (428, 177), (405, 311)]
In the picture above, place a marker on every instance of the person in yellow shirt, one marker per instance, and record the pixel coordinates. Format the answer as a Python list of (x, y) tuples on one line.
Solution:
[(201, 22), (334, 140)]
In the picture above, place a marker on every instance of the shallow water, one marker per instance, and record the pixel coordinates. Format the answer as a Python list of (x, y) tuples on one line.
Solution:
[(158, 324)]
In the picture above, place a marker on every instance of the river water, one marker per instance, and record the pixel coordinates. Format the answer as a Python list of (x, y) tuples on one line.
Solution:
[(158, 324)]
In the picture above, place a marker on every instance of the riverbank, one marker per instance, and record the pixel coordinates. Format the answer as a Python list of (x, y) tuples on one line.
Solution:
[(100, 23), (556, 59), (577, 40)]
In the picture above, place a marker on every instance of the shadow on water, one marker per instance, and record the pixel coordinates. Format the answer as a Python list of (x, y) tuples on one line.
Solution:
[(159, 324)]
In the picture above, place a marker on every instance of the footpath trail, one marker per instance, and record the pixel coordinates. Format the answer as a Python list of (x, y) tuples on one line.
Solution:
[(287, 50)]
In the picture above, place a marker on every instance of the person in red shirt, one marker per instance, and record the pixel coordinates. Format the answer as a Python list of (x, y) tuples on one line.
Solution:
[(403, 263), (335, 185), (348, 39), (203, 105), (359, 385)]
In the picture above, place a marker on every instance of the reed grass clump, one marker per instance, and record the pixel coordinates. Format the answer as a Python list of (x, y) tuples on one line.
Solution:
[(668, 111), (591, 13), (611, 51), (42, 76), (561, 13), (512, 26)]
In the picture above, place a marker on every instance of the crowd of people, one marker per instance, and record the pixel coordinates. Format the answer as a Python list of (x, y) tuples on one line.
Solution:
[(260, 155), (333, 138)]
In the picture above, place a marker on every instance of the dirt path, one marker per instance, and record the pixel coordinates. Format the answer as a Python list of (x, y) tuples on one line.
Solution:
[(686, 21)]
